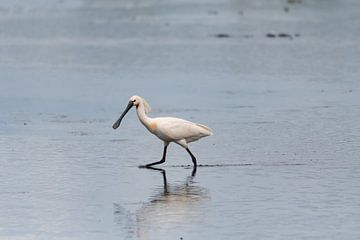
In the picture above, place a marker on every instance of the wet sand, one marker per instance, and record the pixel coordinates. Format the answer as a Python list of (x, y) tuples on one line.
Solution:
[(278, 82)]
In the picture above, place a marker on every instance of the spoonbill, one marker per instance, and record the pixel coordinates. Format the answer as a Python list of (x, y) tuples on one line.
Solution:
[(168, 129)]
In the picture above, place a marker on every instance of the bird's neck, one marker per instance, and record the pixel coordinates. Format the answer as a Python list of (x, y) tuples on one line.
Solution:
[(144, 119)]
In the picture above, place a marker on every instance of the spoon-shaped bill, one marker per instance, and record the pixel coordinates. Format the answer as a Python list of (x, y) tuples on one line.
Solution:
[(117, 123)]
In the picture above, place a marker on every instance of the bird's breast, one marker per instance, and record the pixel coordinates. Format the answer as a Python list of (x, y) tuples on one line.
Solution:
[(152, 127)]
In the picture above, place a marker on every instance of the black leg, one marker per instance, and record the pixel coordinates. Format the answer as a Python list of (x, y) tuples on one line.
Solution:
[(193, 158), (161, 161), (193, 173)]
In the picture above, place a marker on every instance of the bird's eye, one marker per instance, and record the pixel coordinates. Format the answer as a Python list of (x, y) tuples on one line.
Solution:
[(134, 100)]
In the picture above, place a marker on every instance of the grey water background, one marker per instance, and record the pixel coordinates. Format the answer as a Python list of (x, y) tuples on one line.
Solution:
[(278, 81)]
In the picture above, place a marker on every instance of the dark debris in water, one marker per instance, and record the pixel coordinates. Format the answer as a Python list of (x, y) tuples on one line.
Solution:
[(268, 35), (294, 1), (282, 35), (216, 12), (222, 35), (227, 35)]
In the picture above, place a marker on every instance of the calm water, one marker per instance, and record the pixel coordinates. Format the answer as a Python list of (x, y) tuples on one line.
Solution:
[(276, 80)]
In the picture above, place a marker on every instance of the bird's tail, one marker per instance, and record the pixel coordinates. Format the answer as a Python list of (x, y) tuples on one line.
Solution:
[(208, 131)]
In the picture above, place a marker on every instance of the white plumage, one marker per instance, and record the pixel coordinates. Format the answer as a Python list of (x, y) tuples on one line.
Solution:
[(168, 129)]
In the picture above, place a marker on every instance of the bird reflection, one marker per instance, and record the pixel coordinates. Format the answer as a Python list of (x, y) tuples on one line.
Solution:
[(163, 172), (171, 207)]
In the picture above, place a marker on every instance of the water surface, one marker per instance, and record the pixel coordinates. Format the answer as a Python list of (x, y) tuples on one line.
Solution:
[(276, 80)]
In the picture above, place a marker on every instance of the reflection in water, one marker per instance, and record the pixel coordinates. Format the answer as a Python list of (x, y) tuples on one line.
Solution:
[(172, 207)]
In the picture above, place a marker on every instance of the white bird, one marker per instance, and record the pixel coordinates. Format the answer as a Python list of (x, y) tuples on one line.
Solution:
[(168, 129)]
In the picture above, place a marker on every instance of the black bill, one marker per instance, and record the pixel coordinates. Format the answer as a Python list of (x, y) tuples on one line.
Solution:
[(117, 123)]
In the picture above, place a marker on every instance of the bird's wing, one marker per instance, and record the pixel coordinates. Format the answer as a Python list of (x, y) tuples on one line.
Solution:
[(176, 129)]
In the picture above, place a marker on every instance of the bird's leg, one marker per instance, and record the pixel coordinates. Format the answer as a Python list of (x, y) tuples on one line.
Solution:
[(193, 158), (162, 159), (193, 173)]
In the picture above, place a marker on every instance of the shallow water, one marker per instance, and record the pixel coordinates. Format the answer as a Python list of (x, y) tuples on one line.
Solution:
[(276, 80)]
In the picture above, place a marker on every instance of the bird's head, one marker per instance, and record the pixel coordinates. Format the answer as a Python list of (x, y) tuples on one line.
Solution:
[(137, 101), (133, 101)]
